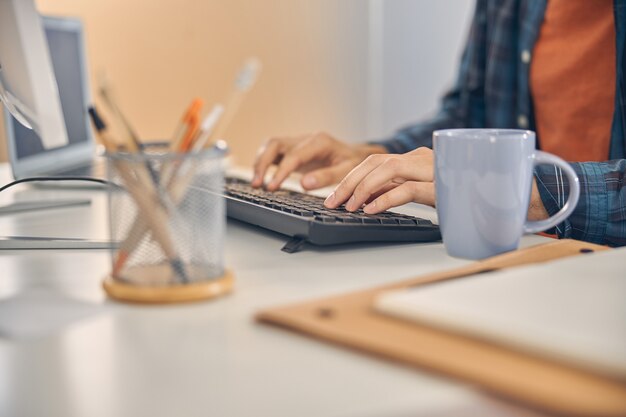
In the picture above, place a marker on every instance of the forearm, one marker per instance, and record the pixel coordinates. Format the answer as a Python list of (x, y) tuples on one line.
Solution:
[(600, 216), (420, 134), (368, 149)]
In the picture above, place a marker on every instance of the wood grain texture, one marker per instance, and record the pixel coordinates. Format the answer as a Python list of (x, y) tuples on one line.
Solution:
[(168, 294), (349, 320)]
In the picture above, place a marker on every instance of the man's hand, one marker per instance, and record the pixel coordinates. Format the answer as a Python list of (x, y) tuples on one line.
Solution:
[(385, 181), (324, 159)]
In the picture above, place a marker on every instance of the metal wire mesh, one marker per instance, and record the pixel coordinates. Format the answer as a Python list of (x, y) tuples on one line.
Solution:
[(169, 215)]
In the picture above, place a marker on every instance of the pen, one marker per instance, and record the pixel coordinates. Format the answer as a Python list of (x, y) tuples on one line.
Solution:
[(183, 127), (243, 84), (206, 129), (204, 133), (192, 129)]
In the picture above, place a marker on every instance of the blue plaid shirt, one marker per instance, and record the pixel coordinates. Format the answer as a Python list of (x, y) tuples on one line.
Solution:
[(492, 91)]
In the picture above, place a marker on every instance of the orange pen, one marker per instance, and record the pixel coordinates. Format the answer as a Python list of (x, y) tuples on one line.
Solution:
[(188, 126), (192, 130)]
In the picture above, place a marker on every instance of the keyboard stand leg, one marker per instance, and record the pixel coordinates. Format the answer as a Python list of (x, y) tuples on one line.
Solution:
[(294, 245)]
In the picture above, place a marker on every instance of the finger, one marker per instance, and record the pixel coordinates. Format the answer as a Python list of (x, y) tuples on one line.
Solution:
[(327, 176), (307, 151), (419, 192), (346, 187), (395, 168), (390, 186), (268, 154)]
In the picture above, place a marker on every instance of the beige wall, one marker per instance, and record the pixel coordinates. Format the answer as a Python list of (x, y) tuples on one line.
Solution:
[(161, 54)]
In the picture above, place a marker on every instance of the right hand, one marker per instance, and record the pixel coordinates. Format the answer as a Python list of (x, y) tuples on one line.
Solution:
[(324, 159)]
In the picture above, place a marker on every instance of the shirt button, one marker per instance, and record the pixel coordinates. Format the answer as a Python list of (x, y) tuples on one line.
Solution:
[(525, 56), (522, 121)]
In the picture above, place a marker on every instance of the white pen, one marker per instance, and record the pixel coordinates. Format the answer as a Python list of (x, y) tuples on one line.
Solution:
[(206, 129)]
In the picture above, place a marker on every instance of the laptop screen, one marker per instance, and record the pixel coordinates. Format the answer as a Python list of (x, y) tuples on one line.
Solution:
[(66, 51)]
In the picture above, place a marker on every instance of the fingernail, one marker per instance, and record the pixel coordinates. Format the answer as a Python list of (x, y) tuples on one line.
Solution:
[(350, 204), (330, 200), (256, 178), (309, 181), (370, 208)]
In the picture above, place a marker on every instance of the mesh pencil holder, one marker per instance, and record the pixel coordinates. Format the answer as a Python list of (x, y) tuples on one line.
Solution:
[(167, 212)]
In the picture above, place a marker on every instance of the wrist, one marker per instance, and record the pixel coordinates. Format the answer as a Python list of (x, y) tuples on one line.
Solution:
[(536, 209), (368, 149)]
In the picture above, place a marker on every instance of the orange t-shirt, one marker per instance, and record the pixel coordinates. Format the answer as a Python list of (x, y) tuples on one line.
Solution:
[(572, 79)]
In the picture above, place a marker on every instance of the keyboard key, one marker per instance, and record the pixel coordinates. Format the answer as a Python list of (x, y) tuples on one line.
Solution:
[(348, 219), (325, 219), (370, 220)]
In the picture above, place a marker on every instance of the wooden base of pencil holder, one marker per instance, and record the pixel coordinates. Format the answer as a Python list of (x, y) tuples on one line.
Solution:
[(167, 294)]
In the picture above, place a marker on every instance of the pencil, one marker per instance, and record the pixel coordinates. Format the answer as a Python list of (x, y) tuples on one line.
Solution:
[(139, 188), (109, 100), (132, 141), (109, 144)]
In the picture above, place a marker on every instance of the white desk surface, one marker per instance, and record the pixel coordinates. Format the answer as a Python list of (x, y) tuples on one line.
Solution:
[(65, 350)]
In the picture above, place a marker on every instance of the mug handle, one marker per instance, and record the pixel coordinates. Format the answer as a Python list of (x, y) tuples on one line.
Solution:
[(570, 204)]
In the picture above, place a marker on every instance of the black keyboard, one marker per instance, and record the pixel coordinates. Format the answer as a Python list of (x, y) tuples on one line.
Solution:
[(305, 218)]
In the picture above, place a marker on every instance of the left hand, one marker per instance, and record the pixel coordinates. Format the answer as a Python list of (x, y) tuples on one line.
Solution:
[(385, 181)]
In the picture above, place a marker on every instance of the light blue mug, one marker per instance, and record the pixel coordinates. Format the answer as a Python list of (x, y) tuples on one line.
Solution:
[(483, 180)]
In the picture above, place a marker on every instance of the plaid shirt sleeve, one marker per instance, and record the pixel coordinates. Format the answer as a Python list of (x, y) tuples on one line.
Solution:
[(463, 106), (600, 216)]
